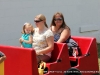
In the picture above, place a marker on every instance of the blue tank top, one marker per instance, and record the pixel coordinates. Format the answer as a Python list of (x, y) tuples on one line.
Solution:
[(57, 36), (26, 37)]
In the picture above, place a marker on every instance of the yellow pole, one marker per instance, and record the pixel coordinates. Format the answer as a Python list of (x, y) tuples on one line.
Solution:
[(2, 68)]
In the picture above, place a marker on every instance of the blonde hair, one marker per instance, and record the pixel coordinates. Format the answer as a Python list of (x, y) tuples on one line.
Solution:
[(29, 25), (42, 18)]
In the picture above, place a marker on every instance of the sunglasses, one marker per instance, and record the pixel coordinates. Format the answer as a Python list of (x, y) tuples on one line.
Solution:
[(58, 19), (37, 21)]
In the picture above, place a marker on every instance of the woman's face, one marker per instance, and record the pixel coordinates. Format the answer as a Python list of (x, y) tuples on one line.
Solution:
[(38, 22), (58, 20)]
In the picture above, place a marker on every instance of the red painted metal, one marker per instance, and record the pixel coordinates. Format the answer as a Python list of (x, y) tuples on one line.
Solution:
[(60, 59), (19, 61), (88, 61), (22, 61)]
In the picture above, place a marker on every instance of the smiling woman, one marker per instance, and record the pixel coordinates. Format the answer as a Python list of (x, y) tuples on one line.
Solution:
[(59, 27), (62, 33)]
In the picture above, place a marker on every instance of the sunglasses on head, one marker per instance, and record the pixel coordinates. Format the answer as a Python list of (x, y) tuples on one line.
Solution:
[(58, 19), (37, 21)]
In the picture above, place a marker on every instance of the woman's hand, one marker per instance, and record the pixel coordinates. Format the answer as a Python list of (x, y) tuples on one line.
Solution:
[(38, 53)]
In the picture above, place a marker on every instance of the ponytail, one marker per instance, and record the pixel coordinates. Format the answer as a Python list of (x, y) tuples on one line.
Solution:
[(46, 24)]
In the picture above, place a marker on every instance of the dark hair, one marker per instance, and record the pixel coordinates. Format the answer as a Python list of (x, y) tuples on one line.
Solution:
[(53, 23)]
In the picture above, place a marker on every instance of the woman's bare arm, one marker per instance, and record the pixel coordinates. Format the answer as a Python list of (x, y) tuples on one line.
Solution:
[(64, 35), (50, 42)]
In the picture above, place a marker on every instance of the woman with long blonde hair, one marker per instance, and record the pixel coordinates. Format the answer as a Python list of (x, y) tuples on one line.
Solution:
[(43, 40)]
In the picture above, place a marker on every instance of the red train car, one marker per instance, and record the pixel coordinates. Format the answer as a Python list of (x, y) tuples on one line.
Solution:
[(22, 61)]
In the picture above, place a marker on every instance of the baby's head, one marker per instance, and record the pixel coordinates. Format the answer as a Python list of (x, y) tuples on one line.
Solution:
[(28, 28)]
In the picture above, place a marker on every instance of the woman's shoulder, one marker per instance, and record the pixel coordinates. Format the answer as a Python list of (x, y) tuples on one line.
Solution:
[(66, 27), (48, 32)]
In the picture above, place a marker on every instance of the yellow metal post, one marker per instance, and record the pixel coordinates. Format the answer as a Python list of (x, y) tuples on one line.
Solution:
[(2, 68)]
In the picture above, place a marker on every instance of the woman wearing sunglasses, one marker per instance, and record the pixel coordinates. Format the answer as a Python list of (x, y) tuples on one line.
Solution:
[(43, 39), (61, 31)]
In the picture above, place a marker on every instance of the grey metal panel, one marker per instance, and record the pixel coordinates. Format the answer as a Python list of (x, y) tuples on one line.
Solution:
[(14, 13)]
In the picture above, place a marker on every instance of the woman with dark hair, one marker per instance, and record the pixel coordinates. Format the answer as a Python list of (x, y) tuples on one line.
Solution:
[(61, 31)]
